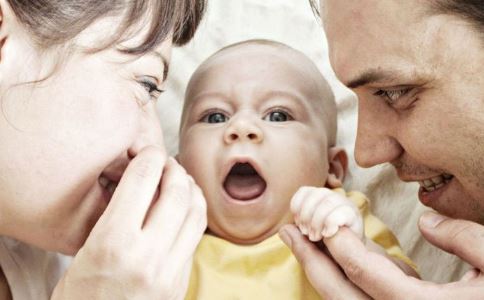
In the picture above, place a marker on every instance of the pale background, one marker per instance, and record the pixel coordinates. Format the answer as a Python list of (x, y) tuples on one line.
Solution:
[(292, 22)]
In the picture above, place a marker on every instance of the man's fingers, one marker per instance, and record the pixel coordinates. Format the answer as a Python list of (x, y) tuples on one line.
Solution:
[(462, 238), (378, 276), (134, 194), (322, 272)]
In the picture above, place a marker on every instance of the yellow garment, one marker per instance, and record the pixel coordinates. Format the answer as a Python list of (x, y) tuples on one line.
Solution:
[(268, 270)]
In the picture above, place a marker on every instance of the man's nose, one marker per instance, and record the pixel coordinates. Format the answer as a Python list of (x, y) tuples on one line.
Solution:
[(376, 142), (149, 133), (243, 129)]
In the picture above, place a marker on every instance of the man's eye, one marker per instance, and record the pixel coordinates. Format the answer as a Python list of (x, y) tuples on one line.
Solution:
[(277, 116), (216, 117), (151, 88), (392, 96)]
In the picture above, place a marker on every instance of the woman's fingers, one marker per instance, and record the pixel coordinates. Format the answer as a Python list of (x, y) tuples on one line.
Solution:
[(134, 194), (193, 227), (172, 206)]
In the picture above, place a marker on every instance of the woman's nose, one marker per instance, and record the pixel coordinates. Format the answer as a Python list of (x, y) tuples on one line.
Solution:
[(243, 129), (149, 134), (376, 142)]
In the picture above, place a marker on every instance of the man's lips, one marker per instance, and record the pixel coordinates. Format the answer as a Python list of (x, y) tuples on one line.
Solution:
[(436, 182)]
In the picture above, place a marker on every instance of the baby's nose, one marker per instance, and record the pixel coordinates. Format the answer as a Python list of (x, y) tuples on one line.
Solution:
[(243, 130)]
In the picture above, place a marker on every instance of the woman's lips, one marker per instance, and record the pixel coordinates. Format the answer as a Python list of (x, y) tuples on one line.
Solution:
[(108, 185)]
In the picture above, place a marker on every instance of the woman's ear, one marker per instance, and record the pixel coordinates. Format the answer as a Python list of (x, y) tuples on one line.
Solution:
[(3, 29), (338, 166), (8, 24)]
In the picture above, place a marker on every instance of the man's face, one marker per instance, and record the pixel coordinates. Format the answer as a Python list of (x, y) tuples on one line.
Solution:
[(251, 136), (419, 79)]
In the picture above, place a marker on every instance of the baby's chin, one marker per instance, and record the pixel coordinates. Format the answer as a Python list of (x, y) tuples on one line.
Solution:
[(246, 235)]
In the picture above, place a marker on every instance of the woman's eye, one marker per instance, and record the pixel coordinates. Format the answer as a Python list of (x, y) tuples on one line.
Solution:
[(216, 117), (392, 96), (278, 116), (151, 88)]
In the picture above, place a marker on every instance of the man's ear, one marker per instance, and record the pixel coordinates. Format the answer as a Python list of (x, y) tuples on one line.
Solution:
[(338, 166)]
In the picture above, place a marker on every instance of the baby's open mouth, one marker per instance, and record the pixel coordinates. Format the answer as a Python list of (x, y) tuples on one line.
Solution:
[(244, 183)]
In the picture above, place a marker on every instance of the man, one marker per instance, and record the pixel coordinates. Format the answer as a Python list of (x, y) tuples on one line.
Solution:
[(417, 68)]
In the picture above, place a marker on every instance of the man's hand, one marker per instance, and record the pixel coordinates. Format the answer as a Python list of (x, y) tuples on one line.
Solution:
[(143, 244), (374, 275)]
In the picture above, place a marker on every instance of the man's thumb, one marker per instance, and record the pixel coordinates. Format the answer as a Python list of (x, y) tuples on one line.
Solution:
[(460, 237)]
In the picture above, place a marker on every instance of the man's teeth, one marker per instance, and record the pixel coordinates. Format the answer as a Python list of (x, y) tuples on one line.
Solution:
[(109, 185), (431, 184)]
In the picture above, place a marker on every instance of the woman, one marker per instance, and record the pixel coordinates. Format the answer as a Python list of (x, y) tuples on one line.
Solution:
[(78, 80)]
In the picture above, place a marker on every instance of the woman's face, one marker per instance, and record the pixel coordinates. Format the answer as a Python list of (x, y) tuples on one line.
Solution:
[(65, 141)]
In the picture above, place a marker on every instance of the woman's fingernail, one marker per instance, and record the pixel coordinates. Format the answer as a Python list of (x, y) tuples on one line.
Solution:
[(431, 219)]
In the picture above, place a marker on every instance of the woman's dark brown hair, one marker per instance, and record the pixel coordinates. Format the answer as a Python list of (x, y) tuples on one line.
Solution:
[(55, 22)]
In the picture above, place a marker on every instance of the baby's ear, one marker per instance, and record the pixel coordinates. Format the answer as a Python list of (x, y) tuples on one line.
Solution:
[(338, 166)]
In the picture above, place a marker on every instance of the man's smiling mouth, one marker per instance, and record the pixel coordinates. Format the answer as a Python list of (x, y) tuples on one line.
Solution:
[(434, 183), (244, 183)]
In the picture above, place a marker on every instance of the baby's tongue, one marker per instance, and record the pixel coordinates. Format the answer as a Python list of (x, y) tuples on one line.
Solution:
[(244, 187)]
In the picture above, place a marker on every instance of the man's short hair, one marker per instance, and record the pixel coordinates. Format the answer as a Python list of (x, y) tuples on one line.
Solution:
[(470, 10)]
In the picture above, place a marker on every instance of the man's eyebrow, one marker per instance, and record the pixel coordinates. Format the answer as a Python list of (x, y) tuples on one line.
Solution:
[(371, 76), (166, 64)]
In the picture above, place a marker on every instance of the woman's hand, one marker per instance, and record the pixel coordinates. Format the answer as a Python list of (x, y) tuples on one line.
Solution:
[(143, 244)]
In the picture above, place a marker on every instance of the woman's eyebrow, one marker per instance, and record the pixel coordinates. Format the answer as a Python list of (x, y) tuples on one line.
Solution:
[(164, 60)]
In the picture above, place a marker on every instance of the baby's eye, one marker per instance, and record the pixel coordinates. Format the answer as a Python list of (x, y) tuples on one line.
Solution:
[(215, 117), (278, 116), (151, 87)]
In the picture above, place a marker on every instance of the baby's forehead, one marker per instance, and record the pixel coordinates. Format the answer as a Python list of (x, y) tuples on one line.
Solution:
[(272, 65), (254, 50), (268, 66)]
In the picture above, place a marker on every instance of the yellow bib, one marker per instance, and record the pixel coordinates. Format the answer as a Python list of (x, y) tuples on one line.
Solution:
[(268, 270)]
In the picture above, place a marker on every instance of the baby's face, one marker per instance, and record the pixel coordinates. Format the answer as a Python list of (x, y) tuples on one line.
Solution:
[(251, 135)]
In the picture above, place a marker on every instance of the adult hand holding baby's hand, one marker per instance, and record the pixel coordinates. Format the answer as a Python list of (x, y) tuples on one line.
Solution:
[(355, 272), (141, 247), (320, 212)]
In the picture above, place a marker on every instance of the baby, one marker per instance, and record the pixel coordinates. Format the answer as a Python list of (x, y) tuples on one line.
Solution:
[(258, 135)]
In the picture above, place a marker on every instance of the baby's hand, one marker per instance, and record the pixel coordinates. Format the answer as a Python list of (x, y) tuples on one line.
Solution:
[(319, 212)]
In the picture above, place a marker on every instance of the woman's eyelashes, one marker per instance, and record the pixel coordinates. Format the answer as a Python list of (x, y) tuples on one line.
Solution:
[(150, 85)]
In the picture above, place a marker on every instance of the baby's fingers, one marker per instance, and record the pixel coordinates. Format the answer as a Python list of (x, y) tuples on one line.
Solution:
[(304, 204), (344, 215)]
